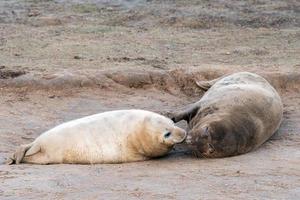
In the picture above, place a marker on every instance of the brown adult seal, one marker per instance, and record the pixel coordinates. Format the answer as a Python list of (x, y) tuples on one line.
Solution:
[(237, 114)]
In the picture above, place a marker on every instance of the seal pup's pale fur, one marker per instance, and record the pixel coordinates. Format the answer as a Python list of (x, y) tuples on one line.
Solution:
[(108, 137)]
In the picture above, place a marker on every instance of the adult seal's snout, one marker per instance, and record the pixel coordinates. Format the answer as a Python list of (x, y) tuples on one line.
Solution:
[(188, 139)]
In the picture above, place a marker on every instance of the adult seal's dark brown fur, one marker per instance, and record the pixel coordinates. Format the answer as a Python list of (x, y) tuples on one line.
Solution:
[(237, 114)]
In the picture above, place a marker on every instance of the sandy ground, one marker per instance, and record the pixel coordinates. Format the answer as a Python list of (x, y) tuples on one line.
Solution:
[(60, 60)]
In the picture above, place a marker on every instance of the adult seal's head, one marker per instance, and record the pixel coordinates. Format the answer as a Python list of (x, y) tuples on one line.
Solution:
[(223, 134)]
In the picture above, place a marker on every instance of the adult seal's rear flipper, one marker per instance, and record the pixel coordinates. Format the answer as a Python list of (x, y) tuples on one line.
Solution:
[(205, 85)]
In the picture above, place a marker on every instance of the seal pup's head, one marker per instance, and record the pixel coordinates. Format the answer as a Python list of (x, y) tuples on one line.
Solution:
[(156, 136)]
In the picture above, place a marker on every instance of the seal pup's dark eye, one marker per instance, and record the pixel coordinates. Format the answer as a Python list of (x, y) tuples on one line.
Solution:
[(167, 134)]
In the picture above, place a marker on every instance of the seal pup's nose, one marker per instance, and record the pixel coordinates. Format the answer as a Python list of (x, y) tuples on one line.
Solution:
[(180, 135)]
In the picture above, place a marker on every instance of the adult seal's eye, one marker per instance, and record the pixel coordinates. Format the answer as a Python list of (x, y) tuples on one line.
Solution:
[(167, 134)]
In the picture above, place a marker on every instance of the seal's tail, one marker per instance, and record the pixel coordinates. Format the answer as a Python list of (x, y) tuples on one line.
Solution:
[(21, 152)]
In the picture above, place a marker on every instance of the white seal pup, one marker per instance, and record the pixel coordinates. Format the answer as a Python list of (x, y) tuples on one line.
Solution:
[(109, 137)]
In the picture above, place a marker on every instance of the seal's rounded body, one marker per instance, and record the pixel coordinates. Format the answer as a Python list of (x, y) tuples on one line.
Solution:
[(109, 137), (236, 115)]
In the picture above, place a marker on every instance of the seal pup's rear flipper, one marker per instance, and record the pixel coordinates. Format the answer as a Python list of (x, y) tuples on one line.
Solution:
[(9, 161), (21, 152)]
